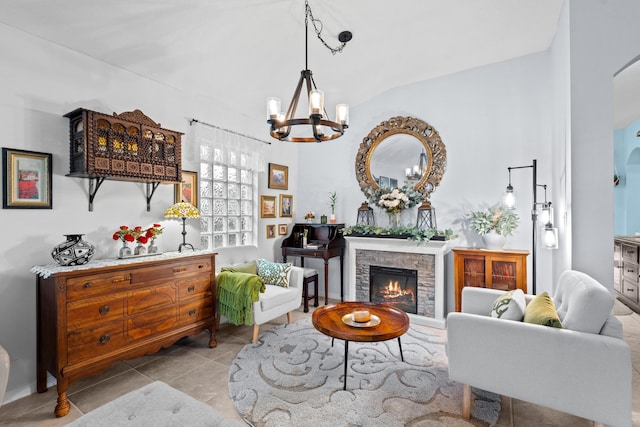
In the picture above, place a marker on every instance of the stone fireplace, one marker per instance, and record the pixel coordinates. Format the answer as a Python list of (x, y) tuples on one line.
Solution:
[(424, 259)]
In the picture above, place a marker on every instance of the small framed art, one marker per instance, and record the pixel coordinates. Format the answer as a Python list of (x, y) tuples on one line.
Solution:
[(283, 229), (267, 206), (26, 181), (286, 205), (278, 176), (271, 231), (187, 190)]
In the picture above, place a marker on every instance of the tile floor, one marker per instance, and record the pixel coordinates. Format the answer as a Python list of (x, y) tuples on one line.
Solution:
[(201, 372)]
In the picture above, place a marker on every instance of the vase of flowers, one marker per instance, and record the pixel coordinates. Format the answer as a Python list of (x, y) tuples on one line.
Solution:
[(394, 201), (309, 217), (126, 236), (494, 225), (152, 233)]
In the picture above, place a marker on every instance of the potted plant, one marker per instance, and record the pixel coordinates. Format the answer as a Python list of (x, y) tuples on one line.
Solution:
[(494, 225), (332, 202)]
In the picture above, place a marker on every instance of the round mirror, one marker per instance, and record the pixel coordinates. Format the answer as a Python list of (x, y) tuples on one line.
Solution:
[(399, 151)]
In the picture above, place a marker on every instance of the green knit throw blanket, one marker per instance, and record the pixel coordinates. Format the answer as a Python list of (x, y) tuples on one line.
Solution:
[(236, 294)]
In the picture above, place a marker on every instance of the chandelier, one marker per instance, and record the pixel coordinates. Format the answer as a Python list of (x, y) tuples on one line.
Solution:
[(322, 129), (415, 173)]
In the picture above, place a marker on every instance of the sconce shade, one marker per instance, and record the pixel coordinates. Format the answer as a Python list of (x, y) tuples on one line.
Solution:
[(550, 237), (509, 198), (426, 216), (365, 215)]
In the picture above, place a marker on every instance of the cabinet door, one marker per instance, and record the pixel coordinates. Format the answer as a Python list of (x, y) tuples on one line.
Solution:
[(617, 267), (503, 272), (474, 271)]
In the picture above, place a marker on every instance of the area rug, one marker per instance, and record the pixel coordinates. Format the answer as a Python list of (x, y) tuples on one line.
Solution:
[(294, 377), (156, 404)]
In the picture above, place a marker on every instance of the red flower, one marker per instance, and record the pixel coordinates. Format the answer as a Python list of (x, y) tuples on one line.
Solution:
[(142, 239), (129, 238)]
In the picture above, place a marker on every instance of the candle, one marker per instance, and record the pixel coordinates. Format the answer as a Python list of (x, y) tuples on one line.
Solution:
[(361, 316)]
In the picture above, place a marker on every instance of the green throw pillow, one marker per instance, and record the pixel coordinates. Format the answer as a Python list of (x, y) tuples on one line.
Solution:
[(245, 267), (510, 306), (273, 273), (541, 311)]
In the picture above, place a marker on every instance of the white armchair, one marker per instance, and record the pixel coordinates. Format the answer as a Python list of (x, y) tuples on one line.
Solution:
[(583, 369), (276, 301), (4, 372)]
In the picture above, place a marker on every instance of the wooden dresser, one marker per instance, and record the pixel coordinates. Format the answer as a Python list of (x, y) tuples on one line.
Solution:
[(499, 269), (92, 317)]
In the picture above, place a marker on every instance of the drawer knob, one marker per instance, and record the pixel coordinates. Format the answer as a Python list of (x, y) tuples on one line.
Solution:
[(201, 266), (121, 279), (105, 339), (88, 285), (104, 309), (191, 288), (192, 312), (178, 270)]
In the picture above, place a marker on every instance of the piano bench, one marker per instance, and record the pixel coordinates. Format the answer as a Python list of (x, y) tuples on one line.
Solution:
[(310, 276)]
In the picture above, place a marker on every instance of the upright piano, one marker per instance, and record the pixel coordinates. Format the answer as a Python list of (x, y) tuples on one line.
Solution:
[(323, 241)]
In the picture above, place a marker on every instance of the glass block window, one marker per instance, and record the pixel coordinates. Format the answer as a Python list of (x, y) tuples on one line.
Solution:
[(228, 188)]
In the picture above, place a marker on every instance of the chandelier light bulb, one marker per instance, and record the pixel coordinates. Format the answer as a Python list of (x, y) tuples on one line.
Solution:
[(342, 114), (273, 108), (316, 102)]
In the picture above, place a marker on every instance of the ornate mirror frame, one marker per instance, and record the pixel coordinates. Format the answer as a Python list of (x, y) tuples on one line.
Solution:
[(425, 133)]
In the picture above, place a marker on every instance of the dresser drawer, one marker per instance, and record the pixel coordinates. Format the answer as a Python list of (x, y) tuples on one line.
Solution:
[(196, 311), (192, 288), (81, 314), (630, 272), (630, 253), (152, 322), (92, 285), (171, 270), (90, 342), (151, 299), (630, 290)]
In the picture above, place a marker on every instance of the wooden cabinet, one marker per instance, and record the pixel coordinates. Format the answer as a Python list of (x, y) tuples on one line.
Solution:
[(627, 270), (90, 318), (504, 270)]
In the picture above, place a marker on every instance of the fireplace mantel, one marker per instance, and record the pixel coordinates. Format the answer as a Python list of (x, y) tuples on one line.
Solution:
[(438, 249)]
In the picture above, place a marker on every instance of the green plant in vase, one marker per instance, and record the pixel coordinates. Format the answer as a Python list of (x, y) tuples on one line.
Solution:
[(494, 224), (332, 202)]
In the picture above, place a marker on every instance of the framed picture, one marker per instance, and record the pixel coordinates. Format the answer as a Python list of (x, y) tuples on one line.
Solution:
[(393, 183), (267, 206), (278, 176), (283, 229), (26, 181), (187, 190), (271, 231), (286, 205)]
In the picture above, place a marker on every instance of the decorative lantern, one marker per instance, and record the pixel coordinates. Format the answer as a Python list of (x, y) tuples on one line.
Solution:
[(365, 215), (426, 216)]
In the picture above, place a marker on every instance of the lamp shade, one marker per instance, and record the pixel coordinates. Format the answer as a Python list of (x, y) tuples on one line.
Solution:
[(550, 237), (182, 210)]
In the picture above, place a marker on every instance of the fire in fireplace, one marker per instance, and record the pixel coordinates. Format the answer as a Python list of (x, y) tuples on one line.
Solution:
[(394, 286)]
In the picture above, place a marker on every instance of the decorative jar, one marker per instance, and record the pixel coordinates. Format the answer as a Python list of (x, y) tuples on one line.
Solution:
[(125, 250), (73, 251)]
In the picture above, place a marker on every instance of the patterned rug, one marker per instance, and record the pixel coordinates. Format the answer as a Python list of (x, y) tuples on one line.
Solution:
[(294, 377)]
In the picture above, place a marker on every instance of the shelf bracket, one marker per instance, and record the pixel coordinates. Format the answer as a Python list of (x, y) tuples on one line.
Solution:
[(151, 188), (94, 185)]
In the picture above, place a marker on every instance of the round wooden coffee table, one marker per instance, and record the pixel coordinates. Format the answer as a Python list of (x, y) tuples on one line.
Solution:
[(329, 320)]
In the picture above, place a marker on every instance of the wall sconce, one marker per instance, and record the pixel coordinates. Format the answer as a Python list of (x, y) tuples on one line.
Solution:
[(550, 234), (365, 215), (426, 216)]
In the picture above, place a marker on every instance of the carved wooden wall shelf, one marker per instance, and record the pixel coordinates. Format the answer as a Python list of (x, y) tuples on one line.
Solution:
[(127, 147)]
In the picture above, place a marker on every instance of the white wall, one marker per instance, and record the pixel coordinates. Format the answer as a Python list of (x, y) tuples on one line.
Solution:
[(603, 38), (39, 82), (489, 119)]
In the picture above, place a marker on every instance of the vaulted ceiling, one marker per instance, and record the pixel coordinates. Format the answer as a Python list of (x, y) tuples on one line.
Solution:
[(240, 52)]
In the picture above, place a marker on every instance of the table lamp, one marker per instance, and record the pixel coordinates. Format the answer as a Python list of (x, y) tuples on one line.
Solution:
[(183, 210)]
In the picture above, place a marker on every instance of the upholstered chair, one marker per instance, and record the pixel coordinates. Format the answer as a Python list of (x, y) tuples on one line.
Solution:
[(582, 368), (4, 372)]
